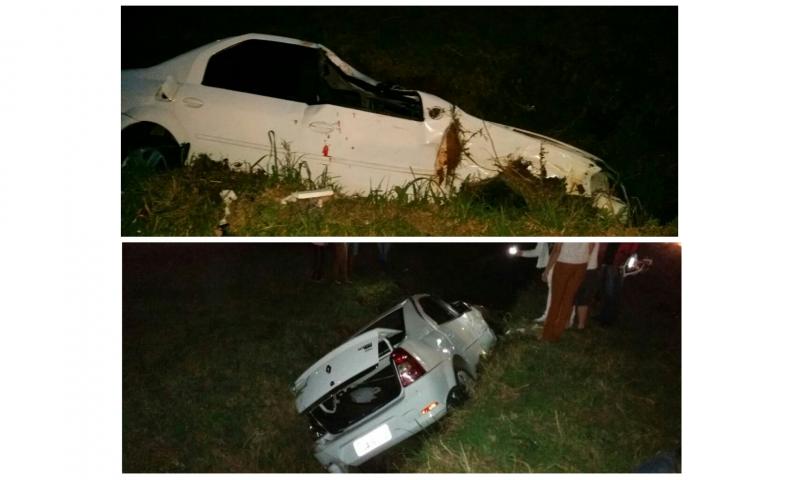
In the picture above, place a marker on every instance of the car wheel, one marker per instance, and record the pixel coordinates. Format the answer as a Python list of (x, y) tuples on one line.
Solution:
[(149, 147), (146, 157), (464, 389)]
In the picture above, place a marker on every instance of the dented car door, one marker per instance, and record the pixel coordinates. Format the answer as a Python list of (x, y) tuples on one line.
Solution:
[(366, 135)]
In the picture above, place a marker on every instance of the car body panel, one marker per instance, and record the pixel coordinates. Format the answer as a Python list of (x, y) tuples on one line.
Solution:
[(342, 141), (466, 333), (363, 150), (242, 137)]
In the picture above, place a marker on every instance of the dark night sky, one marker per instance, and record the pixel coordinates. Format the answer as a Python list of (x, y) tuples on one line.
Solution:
[(602, 78), (482, 272), (476, 272)]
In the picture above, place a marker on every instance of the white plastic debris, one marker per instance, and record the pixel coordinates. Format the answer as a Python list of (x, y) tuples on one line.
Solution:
[(319, 195), (228, 197), (365, 394)]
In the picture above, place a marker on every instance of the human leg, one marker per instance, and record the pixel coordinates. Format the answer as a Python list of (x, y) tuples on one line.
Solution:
[(340, 263), (611, 291), (567, 279), (319, 262), (586, 296)]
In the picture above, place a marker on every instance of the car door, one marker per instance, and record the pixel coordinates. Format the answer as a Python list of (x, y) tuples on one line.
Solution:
[(364, 139), (462, 329), (248, 90)]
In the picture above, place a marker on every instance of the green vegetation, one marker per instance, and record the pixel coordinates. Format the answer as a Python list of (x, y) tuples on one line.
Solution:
[(186, 202), (208, 359), (598, 401), (206, 372)]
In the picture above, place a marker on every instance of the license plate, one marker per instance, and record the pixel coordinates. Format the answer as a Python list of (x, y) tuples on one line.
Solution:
[(372, 440)]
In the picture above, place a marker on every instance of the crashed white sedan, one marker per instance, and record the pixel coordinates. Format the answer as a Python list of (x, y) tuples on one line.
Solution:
[(250, 98), (398, 375)]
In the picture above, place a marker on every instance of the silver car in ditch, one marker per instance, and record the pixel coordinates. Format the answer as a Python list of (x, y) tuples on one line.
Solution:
[(395, 377)]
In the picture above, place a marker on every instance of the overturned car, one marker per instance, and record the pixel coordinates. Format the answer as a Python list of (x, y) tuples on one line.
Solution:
[(396, 376), (254, 98)]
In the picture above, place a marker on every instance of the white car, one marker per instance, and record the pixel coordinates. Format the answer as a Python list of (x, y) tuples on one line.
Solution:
[(254, 98), (398, 375)]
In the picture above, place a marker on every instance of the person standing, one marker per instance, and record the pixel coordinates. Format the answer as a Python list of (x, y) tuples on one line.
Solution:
[(340, 263), (614, 258), (319, 262), (589, 286), (383, 253), (352, 253), (568, 263), (542, 255)]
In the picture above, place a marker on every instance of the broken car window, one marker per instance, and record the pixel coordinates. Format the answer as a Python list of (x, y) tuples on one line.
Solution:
[(337, 88), (393, 321), (271, 69), (436, 309)]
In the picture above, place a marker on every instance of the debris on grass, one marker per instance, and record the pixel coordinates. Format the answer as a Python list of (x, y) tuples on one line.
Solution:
[(187, 201), (320, 196), (228, 197)]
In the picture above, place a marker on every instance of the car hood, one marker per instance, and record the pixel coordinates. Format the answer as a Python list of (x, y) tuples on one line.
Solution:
[(487, 147), (342, 365)]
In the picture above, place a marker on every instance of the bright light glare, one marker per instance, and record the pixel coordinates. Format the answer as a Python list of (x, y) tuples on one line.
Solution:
[(632, 261), (513, 250)]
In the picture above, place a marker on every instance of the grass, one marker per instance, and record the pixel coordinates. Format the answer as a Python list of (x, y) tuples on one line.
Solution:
[(206, 371), (186, 202), (587, 404), (214, 335)]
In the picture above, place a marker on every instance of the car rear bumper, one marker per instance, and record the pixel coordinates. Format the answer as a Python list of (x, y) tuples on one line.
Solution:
[(403, 418)]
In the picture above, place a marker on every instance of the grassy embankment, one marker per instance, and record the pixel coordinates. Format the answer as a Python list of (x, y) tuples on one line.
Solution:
[(186, 202)]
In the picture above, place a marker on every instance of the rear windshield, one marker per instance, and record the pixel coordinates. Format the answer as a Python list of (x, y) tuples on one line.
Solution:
[(439, 311), (394, 320)]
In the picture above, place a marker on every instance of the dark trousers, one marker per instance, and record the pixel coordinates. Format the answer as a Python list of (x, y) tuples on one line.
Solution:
[(319, 262), (612, 290)]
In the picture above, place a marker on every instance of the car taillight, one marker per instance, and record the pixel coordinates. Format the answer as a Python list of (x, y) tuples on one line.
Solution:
[(408, 367)]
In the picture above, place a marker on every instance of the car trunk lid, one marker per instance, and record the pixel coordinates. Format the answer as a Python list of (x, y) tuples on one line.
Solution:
[(345, 364)]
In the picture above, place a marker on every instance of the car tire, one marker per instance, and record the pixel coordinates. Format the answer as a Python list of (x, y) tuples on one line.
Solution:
[(463, 390), (151, 149)]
